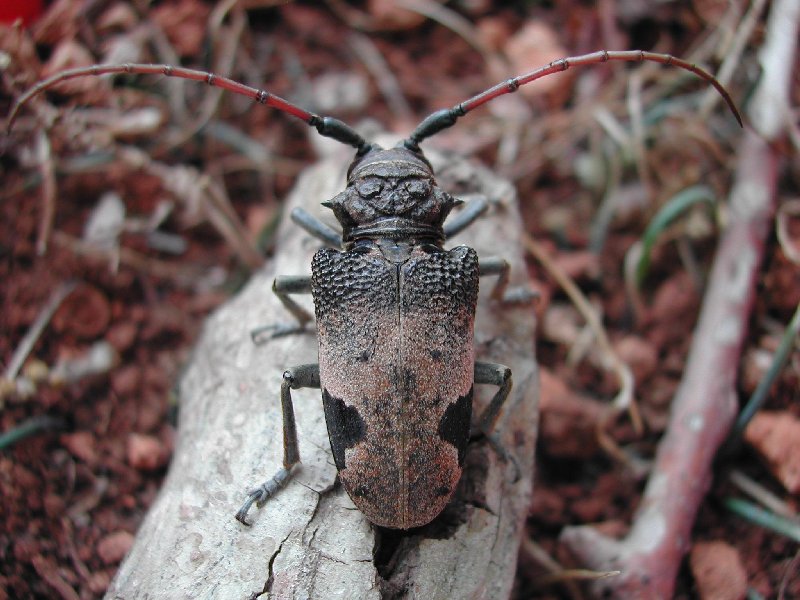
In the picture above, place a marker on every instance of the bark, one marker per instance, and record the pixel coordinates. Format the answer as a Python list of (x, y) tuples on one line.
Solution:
[(310, 541)]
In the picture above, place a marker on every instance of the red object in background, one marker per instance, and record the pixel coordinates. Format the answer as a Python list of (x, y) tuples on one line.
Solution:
[(27, 10)]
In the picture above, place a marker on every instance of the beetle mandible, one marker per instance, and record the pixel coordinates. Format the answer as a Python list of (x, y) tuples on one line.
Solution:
[(394, 309)]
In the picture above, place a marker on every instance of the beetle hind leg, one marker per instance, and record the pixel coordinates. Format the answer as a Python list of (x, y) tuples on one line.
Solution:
[(282, 287), (304, 376)]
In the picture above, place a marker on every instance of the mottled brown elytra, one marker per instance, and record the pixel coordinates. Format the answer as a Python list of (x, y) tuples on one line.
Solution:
[(394, 310)]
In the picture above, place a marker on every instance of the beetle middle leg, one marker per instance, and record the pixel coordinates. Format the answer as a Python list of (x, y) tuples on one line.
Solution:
[(501, 292), (492, 265), (493, 374), (304, 376), (499, 375), (282, 287), (297, 284)]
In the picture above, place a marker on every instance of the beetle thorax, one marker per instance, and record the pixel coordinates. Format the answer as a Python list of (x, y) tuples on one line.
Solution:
[(392, 194)]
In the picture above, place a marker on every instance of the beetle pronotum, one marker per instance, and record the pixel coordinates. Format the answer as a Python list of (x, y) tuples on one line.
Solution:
[(394, 310)]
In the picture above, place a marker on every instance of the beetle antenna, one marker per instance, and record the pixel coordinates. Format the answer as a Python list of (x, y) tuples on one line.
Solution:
[(442, 119), (326, 126)]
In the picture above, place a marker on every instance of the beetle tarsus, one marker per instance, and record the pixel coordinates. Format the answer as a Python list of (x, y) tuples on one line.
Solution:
[(261, 494)]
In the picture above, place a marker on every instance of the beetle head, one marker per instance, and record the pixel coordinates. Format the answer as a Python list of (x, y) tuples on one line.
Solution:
[(392, 193)]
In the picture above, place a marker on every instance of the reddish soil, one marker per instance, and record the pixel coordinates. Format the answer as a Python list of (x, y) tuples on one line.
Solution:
[(74, 491)]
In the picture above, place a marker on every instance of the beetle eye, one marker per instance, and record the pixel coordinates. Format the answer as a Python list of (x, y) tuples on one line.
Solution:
[(419, 188), (369, 187)]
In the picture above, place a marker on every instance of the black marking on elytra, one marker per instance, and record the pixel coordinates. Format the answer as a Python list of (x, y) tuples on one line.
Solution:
[(346, 428), (455, 423)]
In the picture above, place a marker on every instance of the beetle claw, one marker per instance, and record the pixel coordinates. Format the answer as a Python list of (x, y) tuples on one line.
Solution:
[(257, 496), (241, 514), (261, 494)]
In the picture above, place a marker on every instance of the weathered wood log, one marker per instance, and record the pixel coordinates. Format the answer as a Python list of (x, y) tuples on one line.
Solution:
[(309, 541)]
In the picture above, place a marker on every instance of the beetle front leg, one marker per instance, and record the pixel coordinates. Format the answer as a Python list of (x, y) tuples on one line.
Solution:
[(282, 287), (317, 228), (501, 293), (466, 217), (304, 376)]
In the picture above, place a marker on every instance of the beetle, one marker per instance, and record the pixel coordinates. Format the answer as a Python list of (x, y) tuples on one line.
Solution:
[(394, 310)]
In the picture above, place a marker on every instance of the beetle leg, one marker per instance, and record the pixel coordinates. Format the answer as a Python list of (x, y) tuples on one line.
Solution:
[(317, 228), (499, 266), (494, 374), (463, 219), (304, 376), (499, 375), (283, 286)]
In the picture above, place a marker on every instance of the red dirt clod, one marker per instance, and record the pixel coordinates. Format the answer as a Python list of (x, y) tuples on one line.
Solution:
[(113, 547), (569, 421), (146, 452), (126, 380), (85, 313), (718, 571), (81, 444), (639, 354), (776, 437), (122, 336)]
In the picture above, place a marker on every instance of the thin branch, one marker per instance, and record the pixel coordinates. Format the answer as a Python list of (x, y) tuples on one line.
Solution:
[(47, 171), (32, 336)]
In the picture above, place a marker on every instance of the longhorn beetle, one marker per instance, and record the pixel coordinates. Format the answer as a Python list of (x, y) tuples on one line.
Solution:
[(394, 310)]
